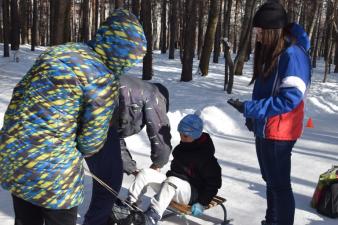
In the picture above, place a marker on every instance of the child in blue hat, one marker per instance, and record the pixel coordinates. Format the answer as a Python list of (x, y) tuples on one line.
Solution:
[(194, 176)]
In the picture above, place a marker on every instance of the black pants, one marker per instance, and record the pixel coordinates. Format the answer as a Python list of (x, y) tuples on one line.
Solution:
[(274, 159), (129, 165), (107, 165), (29, 214)]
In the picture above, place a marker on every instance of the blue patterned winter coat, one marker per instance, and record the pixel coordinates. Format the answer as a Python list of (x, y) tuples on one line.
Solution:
[(60, 112)]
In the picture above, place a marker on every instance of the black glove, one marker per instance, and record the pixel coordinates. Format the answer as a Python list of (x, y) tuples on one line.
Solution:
[(249, 124), (237, 104)]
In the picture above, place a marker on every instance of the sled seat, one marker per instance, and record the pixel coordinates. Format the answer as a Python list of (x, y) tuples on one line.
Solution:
[(180, 209)]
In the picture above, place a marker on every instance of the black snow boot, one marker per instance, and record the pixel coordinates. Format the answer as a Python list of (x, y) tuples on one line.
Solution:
[(120, 214), (149, 217), (265, 223)]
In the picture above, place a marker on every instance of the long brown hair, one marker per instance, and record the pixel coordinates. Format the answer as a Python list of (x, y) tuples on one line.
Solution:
[(267, 52)]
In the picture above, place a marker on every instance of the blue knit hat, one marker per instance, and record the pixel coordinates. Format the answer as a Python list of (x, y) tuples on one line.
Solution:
[(191, 125)]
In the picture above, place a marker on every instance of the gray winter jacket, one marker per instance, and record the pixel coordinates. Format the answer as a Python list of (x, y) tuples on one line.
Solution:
[(142, 104)]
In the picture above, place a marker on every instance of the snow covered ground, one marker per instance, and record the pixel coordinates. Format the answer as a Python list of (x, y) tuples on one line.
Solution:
[(243, 187)]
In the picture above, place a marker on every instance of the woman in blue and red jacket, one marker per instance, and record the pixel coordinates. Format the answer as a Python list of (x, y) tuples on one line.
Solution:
[(282, 74)]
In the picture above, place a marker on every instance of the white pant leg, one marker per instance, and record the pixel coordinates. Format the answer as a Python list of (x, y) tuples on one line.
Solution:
[(146, 177), (173, 188)]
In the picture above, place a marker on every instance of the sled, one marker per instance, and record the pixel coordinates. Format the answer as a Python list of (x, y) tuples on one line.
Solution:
[(180, 209)]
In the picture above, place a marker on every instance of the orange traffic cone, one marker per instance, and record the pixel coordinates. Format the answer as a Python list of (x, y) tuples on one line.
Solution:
[(309, 123)]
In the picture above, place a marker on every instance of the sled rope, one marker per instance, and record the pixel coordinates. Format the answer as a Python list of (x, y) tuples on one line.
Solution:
[(111, 190)]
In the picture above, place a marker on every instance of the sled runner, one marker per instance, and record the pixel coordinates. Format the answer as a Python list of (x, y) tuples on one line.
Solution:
[(121, 217), (180, 209)]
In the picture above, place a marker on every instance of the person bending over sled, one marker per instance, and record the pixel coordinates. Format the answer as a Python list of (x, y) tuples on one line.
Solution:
[(141, 104), (194, 176)]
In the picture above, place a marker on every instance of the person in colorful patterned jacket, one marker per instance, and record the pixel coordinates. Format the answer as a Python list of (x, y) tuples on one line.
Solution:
[(141, 104), (282, 75), (60, 113)]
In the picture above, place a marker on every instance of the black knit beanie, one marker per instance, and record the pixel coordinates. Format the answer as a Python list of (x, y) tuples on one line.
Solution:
[(270, 15)]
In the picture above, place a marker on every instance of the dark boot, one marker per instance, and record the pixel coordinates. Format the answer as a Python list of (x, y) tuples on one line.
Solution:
[(120, 213), (136, 218), (266, 223), (149, 217)]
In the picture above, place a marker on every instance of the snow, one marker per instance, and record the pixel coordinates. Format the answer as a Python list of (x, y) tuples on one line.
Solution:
[(243, 186)]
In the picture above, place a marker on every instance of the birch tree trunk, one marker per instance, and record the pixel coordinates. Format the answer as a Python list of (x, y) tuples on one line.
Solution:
[(35, 24), (173, 29), (209, 37), (245, 37), (146, 22), (5, 14), (190, 34), (15, 25), (163, 39), (217, 43)]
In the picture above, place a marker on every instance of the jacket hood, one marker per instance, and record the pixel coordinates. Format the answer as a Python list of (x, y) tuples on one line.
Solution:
[(120, 41), (301, 36)]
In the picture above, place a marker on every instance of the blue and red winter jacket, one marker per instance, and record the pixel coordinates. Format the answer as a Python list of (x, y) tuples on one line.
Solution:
[(277, 106)]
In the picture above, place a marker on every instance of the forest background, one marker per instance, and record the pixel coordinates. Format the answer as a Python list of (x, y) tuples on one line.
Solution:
[(218, 28)]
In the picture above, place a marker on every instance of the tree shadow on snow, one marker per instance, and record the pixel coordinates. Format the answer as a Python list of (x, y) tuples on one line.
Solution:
[(324, 221), (178, 219), (302, 201)]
